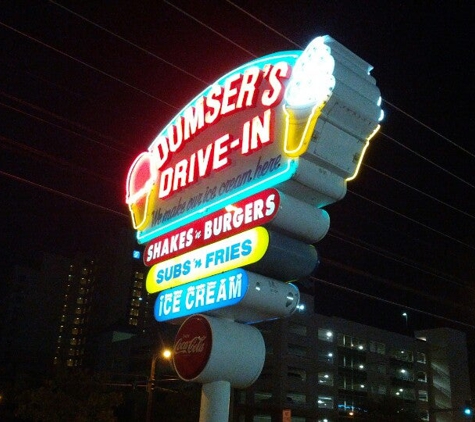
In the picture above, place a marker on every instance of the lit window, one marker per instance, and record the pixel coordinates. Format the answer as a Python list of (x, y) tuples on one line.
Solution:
[(325, 402), (423, 396), (260, 396), (421, 357), (421, 376), (325, 378), (325, 334), (296, 398)]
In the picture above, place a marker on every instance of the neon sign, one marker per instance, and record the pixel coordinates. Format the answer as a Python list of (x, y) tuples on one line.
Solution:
[(241, 115), (233, 252), (256, 210), (250, 130), (201, 296)]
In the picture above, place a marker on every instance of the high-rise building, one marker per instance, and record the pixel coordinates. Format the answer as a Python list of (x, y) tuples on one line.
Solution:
[(60, 311)]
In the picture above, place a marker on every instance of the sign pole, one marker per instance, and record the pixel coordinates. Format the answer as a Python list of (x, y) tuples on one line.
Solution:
[(215, 399)]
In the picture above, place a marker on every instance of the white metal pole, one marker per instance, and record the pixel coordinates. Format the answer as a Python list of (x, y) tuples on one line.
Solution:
[(215, 399)]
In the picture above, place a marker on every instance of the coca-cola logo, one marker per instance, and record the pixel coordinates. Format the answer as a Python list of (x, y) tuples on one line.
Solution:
[(195, 345), (192, 347)]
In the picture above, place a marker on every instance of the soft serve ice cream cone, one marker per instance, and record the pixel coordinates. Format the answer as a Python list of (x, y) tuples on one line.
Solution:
[(309, 89), (142, 190)]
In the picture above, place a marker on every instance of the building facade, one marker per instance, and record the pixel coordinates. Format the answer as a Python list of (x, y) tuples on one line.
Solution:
[(326, 369), (61, 311)]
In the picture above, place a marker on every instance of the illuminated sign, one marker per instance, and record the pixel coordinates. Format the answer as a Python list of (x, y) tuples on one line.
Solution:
[(299, 121), (192, 347), (196, 165), (201, 296), (233, 252), (253, 211)]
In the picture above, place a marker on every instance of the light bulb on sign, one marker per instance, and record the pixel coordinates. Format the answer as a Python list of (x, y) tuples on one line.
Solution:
[(309, 89)]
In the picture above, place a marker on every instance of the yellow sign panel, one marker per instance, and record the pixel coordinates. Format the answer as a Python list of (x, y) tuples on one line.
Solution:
[(236, 251)]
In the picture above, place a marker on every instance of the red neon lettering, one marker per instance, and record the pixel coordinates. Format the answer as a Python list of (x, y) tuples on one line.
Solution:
[(249, 88), (213, 104), (275, 76), (230, 92), (194, 119), (221, 152), (257, 132), (175, 135)]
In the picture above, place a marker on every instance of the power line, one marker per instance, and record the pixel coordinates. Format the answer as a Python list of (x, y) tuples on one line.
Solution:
[(466, 214), (426, 159), (430, 129), (264, 24), (167, 62), (390, 302), (58, 161), (391, 256), (211, 29), (63, 194), (87, 65), (394, 285), (412, 220), (185, 71), (95, 141)]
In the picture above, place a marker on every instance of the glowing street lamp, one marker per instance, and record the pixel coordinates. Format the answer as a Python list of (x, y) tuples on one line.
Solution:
[(166, 354), (404, 314)]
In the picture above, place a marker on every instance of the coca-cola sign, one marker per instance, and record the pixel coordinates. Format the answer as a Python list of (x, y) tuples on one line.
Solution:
[(192, 347)]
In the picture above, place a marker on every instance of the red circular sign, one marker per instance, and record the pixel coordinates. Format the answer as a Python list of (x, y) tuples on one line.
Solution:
[(192, 347)]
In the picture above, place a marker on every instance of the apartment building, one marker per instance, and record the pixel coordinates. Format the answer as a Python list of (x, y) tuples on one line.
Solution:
[(326, 369)]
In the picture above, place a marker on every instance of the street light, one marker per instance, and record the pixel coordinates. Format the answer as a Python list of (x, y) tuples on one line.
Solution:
[(404, 314), (166, 354)]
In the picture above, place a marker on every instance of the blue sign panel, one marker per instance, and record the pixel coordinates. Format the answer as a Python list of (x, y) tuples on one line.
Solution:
[(204, 295)]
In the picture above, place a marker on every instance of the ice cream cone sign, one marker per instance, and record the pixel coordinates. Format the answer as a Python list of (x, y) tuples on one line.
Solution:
[(309, 89), (142, 189)]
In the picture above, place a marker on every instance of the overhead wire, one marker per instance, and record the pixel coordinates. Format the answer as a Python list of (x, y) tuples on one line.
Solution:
[(440, 135), (211, 29), (201, 23), (256, 19), (419, 191), (207, 26), (63, 194), (426, 159), (393, 257), (393, 303), (53, 159), (143, 50), (412, 220), (104, 73), (82, 62), (72, 132)]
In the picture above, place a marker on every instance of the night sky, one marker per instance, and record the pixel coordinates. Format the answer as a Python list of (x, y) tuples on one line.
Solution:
[(86, 85)]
